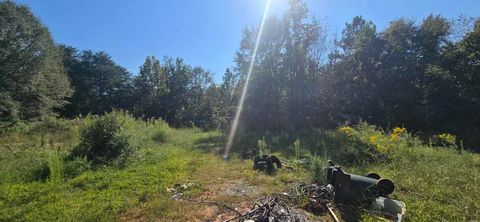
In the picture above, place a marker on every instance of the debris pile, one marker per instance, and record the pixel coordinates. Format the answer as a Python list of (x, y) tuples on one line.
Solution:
[(320, 197), (271, 208), (282, 206), (345, 193), (177, 190), (351, 191)]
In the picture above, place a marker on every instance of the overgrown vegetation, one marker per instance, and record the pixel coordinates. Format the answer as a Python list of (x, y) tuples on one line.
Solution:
[(103, 140), (72, 188)]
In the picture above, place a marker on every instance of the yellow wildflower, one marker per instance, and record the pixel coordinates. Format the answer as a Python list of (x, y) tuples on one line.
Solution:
[(397, 131), (349, 131), (373, 140), (447, 138)]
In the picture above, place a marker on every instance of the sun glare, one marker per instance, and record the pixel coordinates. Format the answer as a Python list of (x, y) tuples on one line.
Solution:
[(234, 126)]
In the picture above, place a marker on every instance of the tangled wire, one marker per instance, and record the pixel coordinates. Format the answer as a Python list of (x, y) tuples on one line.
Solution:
[(278, 206)]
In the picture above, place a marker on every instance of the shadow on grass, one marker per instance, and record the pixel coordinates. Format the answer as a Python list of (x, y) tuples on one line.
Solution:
[(348, 213)]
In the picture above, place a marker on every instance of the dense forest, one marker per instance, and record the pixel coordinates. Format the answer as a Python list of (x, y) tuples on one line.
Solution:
[(423, 75)]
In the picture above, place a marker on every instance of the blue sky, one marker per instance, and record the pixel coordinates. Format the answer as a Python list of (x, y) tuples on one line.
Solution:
[(204, 32)]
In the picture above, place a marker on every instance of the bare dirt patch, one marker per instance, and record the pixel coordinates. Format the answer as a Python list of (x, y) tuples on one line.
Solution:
[(238, 188)]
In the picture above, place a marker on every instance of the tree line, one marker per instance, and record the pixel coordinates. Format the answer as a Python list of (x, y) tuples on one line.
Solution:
[(40, 78), (421, 75)]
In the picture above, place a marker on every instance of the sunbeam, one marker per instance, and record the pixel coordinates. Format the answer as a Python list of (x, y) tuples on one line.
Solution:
[(233, 129)]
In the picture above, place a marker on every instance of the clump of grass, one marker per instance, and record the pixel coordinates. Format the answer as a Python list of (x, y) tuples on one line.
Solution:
[(296, 147), (52, 131), (160, 136), (262, 147), (316, 168), (55, 166)]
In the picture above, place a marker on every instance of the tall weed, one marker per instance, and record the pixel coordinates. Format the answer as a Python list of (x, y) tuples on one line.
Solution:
[(55, 166), (296, 147), (262, 147)]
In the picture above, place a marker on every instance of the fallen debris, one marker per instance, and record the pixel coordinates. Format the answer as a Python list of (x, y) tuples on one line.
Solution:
[(357, 190), (389, 208), (271, 208), (333, 214), (369, 192), (177, 190), (342, 193), (266, 162), (284, 206)]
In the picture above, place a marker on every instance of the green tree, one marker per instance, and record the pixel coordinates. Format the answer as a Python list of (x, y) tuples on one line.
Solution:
[(33, 82), (281, 91), (100, 85), (177, 92), (150, 89), (458, 101), (228, 95), (352, 83)]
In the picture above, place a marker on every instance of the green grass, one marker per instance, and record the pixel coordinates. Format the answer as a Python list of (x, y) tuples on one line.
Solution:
[(436, 183)]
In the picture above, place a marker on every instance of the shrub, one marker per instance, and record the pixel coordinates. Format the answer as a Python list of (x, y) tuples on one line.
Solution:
[(103, 141), (159, 136), (15, 127), (347, 146), (75, 167), (40, 171)]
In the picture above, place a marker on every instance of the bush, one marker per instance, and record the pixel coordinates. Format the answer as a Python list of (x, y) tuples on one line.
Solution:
[(75, 167), (348, 147), (159, 136), (103, 141)]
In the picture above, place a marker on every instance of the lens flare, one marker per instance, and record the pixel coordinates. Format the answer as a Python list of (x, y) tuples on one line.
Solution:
[(233, 128)]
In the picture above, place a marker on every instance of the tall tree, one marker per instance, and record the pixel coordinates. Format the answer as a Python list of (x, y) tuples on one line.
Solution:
[(33, 82), (281, 91), (150, 89), (353, 81), (100, 85)]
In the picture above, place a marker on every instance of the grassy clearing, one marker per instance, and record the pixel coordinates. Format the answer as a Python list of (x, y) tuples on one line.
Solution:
[(437, 183)]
